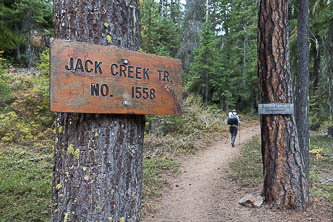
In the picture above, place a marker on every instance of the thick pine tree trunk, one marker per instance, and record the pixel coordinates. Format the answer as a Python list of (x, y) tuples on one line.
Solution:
[(302, 82), (285, 181), (97, 173)]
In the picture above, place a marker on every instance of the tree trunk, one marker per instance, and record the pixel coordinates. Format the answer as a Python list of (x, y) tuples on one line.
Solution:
[(191, 34), (254, 107), (222, 103), (285, 181), (29, 49), (206, 88), (330, 132), (316, 65), (329, 52), (18, 54), (207, 11), (245, 46), (302, 82), (18, 49), (97, 173), (162, 8), (29, 52), (150, 38)]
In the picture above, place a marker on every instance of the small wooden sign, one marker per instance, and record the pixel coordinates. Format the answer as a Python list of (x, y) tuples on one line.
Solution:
[(276, 108), (87, 78)]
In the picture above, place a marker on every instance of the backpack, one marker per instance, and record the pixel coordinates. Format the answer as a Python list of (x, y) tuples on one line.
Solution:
[(232, 120)]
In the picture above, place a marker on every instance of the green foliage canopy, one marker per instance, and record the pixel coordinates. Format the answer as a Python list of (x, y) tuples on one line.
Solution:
[(161, 32)]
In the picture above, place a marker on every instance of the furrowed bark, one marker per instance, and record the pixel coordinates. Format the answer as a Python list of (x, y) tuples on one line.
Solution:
[(97, 172), (285, 181), (302, 82)]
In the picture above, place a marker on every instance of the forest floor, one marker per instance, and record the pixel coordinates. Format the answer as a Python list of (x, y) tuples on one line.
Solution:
[(203, 191)]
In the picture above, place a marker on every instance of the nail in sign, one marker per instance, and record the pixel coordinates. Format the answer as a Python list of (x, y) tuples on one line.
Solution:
[(87, 78)]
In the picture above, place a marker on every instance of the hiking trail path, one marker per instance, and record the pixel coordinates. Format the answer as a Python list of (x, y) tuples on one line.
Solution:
[(198, 194), (203, 192)]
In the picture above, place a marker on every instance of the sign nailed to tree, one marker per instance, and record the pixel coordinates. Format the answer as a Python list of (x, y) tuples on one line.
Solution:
[(276, 108), (87, 78)]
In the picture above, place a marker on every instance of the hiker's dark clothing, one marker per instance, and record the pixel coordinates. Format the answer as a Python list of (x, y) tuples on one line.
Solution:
[(233, 122), (233, 130)]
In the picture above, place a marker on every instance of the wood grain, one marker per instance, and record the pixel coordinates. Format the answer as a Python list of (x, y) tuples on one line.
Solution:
[(88, 78)]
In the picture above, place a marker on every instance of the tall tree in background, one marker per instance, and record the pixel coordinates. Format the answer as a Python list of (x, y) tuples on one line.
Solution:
[(238, 52), (204, 69), (161, 34), (191, 35), (9, 39), (23, 25), (321, 19), (232, 22), (285, 180), (98, 158), (329, 57), (327, 15), (302, 82)]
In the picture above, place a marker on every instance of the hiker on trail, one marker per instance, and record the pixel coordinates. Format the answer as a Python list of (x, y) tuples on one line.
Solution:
[(233, 122)]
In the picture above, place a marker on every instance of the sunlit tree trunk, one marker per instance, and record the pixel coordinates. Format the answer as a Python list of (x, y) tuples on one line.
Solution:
[(97, 173), (285, 181)]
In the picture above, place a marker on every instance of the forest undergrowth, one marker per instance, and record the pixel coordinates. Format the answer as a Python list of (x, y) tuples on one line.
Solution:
[(27, 137), (249, 175)]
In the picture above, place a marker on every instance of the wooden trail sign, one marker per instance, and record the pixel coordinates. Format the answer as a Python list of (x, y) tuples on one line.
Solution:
[(87, 78), (276, 108)]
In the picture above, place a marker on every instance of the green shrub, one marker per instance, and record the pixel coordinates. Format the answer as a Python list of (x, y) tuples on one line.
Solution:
[(44, 65), (169, 135), (27, 120), (196, 117), (6, 94)]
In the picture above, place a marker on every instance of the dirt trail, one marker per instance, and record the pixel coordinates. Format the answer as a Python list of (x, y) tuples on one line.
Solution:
[(202, 193)]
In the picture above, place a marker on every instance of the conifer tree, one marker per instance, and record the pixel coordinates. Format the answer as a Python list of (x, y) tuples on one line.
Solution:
[(98, 157), (161, 33), (285, 181), (204, 65), (19, 21), (191, 34), (302, 82)]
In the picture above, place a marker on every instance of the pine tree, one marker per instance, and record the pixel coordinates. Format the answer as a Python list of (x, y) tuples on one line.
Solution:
[(302, 82), (9, 39), (321, 18), (204, 66), (191, 35), (285, 180), (238, 50), (98, 158), (19, 21), (161, 33)]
